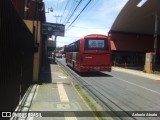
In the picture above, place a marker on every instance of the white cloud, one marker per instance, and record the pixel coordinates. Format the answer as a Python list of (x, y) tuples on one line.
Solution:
[(109, 10), (87, 28), (102, 17), (110, 6), (77, 32)]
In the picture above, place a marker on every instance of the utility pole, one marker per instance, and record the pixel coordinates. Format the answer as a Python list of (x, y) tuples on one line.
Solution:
[(55, 48), (155, 40), (55, 39), (57, 16)]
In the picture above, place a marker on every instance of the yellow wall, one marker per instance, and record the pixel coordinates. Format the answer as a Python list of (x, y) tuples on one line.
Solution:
[(37, 55)]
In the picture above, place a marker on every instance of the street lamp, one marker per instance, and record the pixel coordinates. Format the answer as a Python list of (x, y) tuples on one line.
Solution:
[(51, 10)]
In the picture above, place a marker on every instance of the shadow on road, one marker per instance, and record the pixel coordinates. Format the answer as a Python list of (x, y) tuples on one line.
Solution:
[(94, 74), (90, 74)]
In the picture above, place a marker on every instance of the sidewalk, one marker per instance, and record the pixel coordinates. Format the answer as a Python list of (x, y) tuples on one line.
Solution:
[(138, 73), (54, 96)]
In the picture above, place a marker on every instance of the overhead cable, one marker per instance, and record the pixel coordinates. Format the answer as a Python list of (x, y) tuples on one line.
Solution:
[(64, 10), (70, 11), (74, 11), (79, 14)]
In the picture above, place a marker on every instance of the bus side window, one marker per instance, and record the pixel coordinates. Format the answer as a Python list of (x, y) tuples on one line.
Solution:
[(74, 47), (77, 45)]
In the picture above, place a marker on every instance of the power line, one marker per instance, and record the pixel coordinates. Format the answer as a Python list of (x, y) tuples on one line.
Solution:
[(95, 2), (57, 5), (70, 11), (74, 11), (90, 7), (57, 16), (64, 10), (88, 27), (79, 14), (61, 42), (59, 11)]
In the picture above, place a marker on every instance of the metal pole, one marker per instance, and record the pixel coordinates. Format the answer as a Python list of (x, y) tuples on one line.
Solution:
[(57, 18), (34, 19), (55, 48), (36, 10), (155, 40)]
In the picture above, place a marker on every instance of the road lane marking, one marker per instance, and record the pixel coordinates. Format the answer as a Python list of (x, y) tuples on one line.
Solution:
[(62, 93), (138, 85)]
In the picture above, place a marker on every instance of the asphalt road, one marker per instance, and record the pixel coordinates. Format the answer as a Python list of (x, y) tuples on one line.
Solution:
[(121, 91)]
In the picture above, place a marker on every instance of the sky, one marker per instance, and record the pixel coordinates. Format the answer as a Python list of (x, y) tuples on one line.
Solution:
[(97, 18)]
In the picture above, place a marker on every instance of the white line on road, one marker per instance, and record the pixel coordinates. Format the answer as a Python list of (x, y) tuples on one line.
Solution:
[(137, 85)]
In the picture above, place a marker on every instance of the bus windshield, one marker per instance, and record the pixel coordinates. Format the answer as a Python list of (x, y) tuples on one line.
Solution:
[(96, 44)]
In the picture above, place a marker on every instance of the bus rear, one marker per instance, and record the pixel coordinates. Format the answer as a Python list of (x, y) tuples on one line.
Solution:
[(94, 55)]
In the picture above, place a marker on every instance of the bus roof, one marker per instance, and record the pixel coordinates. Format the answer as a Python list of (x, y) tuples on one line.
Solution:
[(95, 35)]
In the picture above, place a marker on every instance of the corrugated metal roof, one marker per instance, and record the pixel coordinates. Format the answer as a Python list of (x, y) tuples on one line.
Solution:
[(138, 19)]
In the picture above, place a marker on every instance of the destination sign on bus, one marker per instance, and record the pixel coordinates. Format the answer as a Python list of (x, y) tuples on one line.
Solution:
[(96, 43)]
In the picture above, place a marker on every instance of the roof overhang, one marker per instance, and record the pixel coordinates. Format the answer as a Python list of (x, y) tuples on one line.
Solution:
[(133, 19)]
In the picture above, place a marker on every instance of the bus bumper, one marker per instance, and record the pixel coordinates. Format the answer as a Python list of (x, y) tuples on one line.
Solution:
[(94, 68)]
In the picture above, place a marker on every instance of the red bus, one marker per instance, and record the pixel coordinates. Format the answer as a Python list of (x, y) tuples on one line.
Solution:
[(90, 54)]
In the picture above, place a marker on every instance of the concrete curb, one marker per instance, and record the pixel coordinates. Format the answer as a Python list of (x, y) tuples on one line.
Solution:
[(25, 103)]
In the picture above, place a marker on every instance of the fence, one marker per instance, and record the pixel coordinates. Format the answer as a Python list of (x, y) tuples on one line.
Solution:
[(16, 57)]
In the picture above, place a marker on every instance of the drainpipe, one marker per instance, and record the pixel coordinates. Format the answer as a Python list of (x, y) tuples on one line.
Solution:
[(155, 40), (25, 8)]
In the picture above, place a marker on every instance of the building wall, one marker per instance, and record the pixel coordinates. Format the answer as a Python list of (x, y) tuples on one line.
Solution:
[(19, 5), (132, 42), (34, 10), (37, 55), (31, 10)]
